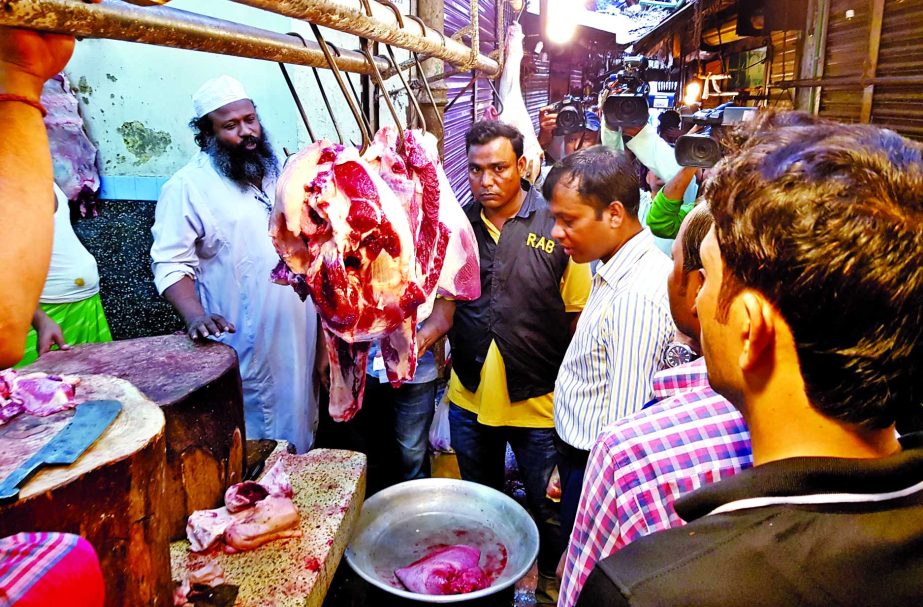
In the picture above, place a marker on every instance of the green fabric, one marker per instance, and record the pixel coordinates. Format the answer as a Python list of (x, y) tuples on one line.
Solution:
[(81, 322), (666, 215)]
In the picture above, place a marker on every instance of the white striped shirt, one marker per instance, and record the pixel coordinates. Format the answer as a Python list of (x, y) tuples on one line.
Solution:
[(620, 338)]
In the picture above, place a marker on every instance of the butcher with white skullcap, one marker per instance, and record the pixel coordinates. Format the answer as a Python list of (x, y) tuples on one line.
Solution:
[(212, 259)]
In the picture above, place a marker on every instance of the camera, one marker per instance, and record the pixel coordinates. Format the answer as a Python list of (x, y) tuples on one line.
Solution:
[(701, 149), (627, 90), (571, 117)]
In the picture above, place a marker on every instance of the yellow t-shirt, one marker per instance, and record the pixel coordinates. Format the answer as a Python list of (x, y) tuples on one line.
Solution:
[(491, 402)]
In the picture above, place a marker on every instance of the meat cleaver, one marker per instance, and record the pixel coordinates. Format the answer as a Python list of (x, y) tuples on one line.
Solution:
[(90, 420)]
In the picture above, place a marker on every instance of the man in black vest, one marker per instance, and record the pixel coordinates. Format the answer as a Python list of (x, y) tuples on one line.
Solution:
[(508, 344), (811, 314)]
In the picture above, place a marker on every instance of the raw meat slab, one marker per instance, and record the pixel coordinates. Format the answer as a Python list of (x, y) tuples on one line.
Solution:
[(329, 486)]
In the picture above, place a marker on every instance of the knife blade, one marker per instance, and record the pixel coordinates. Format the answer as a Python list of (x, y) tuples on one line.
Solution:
[(90, 420)]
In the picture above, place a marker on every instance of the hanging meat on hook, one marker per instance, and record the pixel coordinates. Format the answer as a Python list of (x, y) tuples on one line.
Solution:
[(372, 240)]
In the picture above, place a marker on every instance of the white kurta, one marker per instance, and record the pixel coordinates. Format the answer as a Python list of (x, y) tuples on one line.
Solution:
[(210, 229)]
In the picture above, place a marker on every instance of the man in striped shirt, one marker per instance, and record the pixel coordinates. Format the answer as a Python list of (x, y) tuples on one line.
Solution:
[(626, 325), (640, 465)]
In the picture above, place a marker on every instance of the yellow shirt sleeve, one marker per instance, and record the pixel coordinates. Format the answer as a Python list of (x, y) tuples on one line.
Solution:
[(575, 286)]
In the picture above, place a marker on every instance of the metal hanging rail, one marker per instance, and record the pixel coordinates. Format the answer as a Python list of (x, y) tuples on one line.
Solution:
[(163, 26), (381, 26)]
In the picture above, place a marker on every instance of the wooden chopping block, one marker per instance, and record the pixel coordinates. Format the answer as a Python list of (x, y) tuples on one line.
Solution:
[(111, 495), (329, 488), (197, 384)]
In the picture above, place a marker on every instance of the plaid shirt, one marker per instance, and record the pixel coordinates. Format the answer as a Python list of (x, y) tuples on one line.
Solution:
[(641, 464)]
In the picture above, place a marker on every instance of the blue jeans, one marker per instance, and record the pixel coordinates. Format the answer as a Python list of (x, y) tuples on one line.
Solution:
[(481, 452), (392, 430), (572, 464)]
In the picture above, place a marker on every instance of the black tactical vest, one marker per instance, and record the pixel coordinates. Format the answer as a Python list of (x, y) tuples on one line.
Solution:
[(520, 306)]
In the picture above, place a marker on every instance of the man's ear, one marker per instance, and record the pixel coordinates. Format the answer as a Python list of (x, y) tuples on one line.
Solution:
[(522, 164), (757, 330), (616, 214), (694, 282)]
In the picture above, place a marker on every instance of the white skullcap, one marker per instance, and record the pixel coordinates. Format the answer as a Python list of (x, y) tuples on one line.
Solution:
[(217, 93)]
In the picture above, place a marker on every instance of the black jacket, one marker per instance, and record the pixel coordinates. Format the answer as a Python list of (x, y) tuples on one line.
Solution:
[(812, 531), (520, 306)]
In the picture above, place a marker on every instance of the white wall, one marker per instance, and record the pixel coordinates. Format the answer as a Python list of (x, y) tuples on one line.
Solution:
[(136, 98)]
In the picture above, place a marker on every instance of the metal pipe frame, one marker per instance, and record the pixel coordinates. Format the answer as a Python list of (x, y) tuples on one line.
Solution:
[(163, 26), (381, 26)]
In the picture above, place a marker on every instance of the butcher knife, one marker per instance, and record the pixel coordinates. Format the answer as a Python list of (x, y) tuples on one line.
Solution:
[(90, 420)]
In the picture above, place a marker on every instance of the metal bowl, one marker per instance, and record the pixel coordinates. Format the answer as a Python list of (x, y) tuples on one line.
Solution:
[(403, 523)]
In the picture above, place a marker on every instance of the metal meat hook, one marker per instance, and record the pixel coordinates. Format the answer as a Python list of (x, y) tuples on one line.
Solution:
[(291, 88), (381, 84), (410, 94), (366, 138), (416, 58)]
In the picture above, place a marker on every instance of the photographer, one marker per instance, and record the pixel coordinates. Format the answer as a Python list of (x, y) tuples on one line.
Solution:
[(568, 143)]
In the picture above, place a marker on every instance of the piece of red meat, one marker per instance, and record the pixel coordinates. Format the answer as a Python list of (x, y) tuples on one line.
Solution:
[(372, 240), (449, 570), (270, 519), (275, 482), (244, 495), (254, 513), (205, 528), (38, 394)]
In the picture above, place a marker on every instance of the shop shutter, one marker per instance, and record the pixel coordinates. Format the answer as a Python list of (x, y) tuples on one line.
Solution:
[(897, 107), (535, 88), (847, 49), (471, 105), (901, 54)]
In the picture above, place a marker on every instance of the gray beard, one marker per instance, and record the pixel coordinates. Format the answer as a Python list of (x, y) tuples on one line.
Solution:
[(243, 166)]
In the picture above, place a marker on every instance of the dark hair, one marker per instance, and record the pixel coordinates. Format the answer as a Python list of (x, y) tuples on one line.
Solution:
[(733, 139), (825, 221), (602, 175), (669, 119), (485, 131), (203, 130), (700, 222)]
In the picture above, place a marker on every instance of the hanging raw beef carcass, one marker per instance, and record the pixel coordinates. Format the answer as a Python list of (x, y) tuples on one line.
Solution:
[(371, 240), (514, 105)]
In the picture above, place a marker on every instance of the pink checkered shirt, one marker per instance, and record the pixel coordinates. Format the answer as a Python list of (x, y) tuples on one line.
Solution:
[(641, 464)]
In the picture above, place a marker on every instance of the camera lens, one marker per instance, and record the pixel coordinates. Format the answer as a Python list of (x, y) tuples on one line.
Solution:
[(625, 111), (570, 120), (697, 151)]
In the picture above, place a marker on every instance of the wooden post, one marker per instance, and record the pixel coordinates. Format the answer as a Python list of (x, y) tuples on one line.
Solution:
[(871, 62), (813, 56)]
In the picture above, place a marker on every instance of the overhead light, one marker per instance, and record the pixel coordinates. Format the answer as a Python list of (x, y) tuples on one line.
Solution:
[(693, 90), (850, 13), (560, 21)]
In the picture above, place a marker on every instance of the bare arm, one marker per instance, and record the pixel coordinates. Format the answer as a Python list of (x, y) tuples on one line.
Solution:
[(199, 322), (437, 325), (676, 186), (27, 59)]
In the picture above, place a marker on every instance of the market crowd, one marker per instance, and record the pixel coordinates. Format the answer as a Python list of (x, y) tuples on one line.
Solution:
[(721, 368)]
